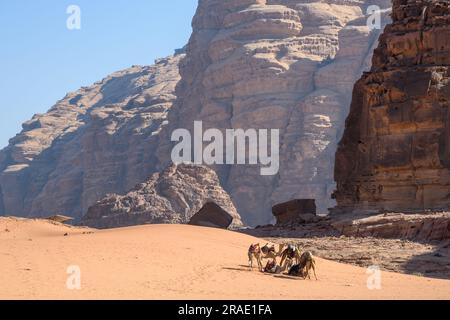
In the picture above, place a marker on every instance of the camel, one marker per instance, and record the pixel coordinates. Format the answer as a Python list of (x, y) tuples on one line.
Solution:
[(254, 252), (304, 267)]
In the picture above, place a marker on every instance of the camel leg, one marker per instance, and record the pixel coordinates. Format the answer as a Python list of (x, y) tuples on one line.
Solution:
[(314, 269), (284, 265), (305, 275), (309, 267), (259, 261), (283, 258), (280, 249), (306, 271)]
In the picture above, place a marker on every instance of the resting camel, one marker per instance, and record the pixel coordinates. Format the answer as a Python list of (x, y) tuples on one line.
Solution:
[(290, 255), (269, 252), (259, 253), (304, 267), (273, 267)]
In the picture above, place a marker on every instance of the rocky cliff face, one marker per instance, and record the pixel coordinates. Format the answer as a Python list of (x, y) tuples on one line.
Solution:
[(261, 64), (416, 227), (395, 154), (98, 140), (179, 189), (287, 65)]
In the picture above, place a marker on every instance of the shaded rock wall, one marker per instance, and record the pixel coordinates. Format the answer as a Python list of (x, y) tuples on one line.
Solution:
[(395, 151)]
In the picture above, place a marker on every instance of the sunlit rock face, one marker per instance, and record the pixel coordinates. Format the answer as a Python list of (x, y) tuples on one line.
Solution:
[(287, 65), (98, 140), (395, 153)]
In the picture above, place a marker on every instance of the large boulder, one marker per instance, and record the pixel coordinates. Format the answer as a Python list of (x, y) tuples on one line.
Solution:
[(303, 210), (60, 218), (212, 215)]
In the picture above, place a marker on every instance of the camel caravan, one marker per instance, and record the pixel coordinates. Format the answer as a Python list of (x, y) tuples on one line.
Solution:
[(292, 261)]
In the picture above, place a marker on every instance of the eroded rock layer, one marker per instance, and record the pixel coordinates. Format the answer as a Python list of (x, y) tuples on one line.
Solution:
[(417, 227), (395, 154)]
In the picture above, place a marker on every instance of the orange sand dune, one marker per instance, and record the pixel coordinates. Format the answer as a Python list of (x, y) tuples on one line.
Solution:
[(170, 262)]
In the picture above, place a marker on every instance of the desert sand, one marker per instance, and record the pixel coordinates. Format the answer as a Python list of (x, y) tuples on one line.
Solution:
[(170, 262)]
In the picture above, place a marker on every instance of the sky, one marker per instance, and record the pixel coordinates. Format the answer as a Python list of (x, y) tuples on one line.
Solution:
[(41, 59)]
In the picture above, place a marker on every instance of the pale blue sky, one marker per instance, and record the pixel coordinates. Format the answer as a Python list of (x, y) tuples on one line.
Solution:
[(41, 60)]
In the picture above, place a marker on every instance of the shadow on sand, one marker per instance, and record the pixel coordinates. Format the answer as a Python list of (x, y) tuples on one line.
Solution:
[(286, 277), (431, 265), (243, 268)]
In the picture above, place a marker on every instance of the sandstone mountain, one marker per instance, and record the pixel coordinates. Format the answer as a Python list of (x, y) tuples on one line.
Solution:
[(178, 189), (262, 64), (98, 140), (395, 154), (287, 65)]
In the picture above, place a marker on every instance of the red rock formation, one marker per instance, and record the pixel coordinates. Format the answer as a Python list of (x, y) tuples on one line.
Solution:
[(295, 211), (395, 153)]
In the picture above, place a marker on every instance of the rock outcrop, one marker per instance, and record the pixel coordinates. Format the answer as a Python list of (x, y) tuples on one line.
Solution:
[(173, 196), (415, 227), (295, 211), (275, 64), (395, 153), (98, 140), (212, 215)]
